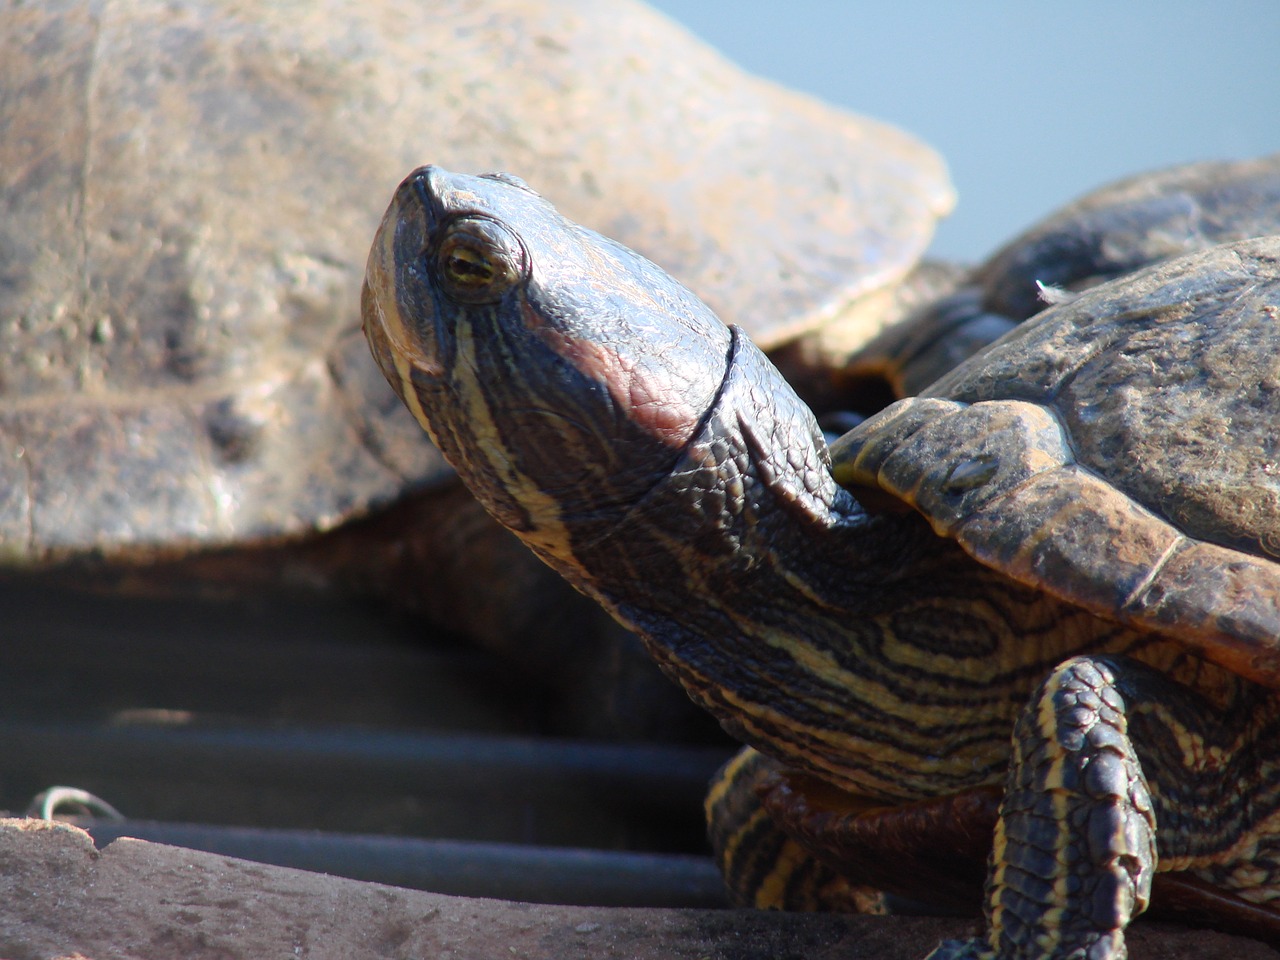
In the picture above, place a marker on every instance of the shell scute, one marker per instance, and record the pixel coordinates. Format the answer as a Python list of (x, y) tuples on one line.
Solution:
[(950, 461)]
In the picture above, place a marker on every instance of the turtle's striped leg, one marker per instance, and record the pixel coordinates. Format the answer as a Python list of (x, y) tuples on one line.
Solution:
[(1075, 848), (762, 866), (1112, 760)]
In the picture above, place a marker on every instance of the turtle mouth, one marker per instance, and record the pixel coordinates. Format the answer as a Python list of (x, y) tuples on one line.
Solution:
[(399, 317), (434, 192)]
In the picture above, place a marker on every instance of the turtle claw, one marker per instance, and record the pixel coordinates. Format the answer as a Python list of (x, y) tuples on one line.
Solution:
[(978, 949), (962, 950)]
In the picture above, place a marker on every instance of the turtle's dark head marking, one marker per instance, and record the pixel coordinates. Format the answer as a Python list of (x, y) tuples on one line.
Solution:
[(479, 294)]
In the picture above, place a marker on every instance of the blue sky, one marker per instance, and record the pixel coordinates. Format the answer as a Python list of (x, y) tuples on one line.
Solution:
[(1032, 103)]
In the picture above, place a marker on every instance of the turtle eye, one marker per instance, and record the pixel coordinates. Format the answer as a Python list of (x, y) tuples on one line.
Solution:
[(478, 260)]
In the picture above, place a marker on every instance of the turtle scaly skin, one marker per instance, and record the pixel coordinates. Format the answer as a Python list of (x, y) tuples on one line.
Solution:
[(658, 461)]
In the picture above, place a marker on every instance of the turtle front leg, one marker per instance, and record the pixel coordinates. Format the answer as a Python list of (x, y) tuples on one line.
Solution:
[(1075, 846)]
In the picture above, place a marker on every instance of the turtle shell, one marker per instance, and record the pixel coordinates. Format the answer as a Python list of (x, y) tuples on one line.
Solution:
[(190, 188), (1130, 224), (1108, 233), (1119, 451)]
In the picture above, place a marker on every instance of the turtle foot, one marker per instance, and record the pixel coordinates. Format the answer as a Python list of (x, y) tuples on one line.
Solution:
[(1106, 948)]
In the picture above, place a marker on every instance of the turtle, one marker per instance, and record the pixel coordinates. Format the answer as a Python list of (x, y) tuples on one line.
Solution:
[(1109, 232), (190, 188), (1053, 574)]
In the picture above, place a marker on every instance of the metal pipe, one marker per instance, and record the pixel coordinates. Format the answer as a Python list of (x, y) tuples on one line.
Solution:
[(670, 777)]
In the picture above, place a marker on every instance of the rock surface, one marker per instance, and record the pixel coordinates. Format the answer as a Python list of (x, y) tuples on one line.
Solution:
[(60, 898)]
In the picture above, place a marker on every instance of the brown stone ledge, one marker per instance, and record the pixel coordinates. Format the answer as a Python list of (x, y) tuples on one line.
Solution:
[(60, 898)]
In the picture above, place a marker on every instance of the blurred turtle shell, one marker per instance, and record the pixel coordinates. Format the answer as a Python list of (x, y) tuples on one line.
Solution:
[(190, 189), (1110, 232)]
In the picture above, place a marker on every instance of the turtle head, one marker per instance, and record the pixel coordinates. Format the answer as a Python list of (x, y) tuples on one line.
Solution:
[(650, 454), (524, 344)]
